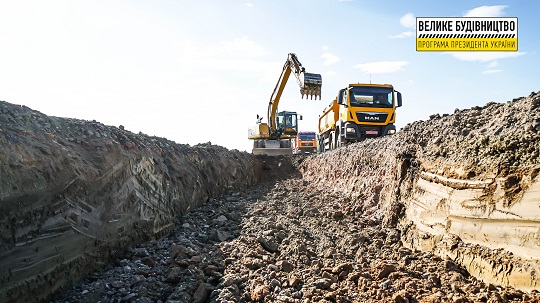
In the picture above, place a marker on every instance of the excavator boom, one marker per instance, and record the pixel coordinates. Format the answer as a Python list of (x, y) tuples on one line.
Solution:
[(309, 83)]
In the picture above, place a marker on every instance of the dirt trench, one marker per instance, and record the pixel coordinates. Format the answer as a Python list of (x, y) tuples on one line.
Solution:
[(444, 211), (284, 241), (74, 194)]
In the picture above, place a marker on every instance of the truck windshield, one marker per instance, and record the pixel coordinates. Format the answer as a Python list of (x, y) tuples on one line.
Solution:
[(306, 137), (367, 96)]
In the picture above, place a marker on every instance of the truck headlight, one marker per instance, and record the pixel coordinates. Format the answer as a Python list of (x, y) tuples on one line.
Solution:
[(391, 131), (350, 130)]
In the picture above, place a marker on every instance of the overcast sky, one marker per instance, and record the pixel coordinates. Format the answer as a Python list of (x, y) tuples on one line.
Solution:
[(199, 71)]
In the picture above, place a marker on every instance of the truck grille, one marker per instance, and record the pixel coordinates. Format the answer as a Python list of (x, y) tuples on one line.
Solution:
[(306, 144), (371, 117)]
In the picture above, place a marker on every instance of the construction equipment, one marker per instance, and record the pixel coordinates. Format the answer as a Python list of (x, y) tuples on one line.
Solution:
[(359, 111), (305, 143), (274, 137)]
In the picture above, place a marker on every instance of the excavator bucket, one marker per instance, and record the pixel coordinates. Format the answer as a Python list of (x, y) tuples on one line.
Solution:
[(311, 86)]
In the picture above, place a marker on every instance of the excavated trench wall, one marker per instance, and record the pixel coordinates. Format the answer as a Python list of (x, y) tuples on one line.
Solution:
[(75, 193), (464, 186)]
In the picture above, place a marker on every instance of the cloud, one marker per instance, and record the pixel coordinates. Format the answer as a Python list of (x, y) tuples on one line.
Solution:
[(329, 58), (408, 20), (403, 35), (492, 71), (484, 56), (492, 64), (486, 11), (249, 4), (382, 67)]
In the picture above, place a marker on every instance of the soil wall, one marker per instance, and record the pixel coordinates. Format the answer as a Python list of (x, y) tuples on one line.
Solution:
[(74, 193), (464, 186)]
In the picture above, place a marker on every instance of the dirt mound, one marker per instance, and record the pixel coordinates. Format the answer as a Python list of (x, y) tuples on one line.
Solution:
[(75, 193), (472, 174)]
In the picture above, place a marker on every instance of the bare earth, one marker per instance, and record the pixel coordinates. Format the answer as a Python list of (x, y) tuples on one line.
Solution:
[(446, 210)]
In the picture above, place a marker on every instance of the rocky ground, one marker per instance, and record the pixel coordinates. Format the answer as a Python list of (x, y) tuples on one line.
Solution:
[(283, 242), (343, 226)]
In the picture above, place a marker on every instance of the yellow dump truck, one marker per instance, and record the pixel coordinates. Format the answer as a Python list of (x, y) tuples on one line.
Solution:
[(359, 111)]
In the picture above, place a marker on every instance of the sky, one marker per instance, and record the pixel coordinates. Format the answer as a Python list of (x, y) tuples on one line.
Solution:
[(200, 71)]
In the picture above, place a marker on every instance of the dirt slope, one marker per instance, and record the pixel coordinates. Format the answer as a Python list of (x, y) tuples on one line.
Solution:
[(444, 211), (76, 193), (455, 185)]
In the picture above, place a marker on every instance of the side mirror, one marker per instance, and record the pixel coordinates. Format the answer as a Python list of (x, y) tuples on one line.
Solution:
[(399, 102), (299, 117), (340, 96)]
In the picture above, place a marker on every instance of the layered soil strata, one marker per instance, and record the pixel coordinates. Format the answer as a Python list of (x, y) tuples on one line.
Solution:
[(75, 193), (464, 186)]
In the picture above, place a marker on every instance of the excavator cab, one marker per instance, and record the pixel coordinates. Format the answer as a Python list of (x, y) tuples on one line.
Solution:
[(287, 123)]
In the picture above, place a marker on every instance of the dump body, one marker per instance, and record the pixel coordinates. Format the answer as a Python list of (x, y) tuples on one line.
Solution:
[(329, 117), (359, 111)]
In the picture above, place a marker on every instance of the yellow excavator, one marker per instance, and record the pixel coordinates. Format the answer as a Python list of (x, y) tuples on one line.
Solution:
[(274, 137)]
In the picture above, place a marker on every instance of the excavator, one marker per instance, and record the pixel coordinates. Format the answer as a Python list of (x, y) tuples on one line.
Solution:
[(274, 138)]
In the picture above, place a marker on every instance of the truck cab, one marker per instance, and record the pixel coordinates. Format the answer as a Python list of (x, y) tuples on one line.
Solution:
[(305, 143), (367, 111), (359, 111)]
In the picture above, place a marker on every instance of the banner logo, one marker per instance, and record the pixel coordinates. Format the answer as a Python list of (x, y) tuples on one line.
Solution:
[(466, 34)]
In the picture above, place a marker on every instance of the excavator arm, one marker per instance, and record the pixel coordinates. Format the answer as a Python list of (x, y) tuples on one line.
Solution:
[(310, 85)]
